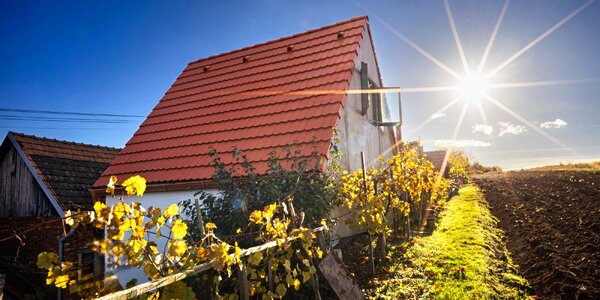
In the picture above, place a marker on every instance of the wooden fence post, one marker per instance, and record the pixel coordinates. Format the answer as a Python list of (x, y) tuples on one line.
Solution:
[(314, 280), (243, 282), (270, 276), (371, 254), (321, 241), (2, 277), (200, 220), (364, 173)]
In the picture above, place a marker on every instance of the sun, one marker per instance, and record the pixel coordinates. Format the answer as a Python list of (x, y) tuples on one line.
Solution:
[(473, 86)]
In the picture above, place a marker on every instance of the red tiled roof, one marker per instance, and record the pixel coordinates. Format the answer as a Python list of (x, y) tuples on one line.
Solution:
[(67, 169), (437, 159), (247, 98)]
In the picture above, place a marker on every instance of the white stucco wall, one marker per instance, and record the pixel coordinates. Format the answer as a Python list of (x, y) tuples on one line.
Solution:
[(155, 199), (356, 133)]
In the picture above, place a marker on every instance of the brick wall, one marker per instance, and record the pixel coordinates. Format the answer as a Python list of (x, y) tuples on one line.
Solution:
[(21, 257)]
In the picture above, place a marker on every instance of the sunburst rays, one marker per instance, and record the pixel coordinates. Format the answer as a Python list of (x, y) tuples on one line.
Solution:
[(417, 48), (540, 38), (461, 51), (480, 70), (492, 39)]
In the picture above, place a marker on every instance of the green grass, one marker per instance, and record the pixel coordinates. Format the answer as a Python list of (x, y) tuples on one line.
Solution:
[(464, 258)]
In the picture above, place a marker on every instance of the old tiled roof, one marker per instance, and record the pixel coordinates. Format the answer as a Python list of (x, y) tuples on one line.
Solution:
[(68, 169), (437, 159), (253, 98)]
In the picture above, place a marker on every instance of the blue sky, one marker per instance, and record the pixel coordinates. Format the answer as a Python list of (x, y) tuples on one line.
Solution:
[(120, 57)]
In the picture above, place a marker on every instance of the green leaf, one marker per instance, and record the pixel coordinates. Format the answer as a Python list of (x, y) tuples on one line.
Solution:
[(281, 290), (46, 260)]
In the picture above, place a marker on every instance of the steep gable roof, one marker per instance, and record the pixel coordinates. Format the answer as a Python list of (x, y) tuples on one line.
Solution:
[(253, 99), (66, 170)]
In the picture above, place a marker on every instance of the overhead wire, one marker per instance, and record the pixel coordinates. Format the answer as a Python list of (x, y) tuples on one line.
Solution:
[(55, 112)]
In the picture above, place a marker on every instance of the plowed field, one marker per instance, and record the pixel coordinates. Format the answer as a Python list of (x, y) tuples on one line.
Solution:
[(552, 224)]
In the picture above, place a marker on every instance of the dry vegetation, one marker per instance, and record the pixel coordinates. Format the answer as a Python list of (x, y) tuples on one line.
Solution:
[(591, 166)]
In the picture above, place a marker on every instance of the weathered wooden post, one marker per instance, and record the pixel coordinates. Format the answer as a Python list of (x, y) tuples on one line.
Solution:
[(270, 275), (408, 235), (364, 173), (2, 277), (243, 282), (200, 220), (321, 241), (314, 280)]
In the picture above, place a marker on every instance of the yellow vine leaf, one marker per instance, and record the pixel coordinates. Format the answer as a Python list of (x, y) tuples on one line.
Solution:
[(135, 185), (238, 251), (110, 187), (171, 211), (256, 217), (178, 248), (179, 229), (61, 281), (177, 290), (238, 255), (139, 231), (150, 270), (255, 258), (280, 290), (154, 296), (137, 245), (269, 211), (46, 260), (210, 226), (70, 220), (120, 209), (99, 207)]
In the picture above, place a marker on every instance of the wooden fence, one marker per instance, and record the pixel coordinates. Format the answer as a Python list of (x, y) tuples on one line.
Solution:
[(242, 279)]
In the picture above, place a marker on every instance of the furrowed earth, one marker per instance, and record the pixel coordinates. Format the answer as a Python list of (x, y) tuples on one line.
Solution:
[(552, 225)]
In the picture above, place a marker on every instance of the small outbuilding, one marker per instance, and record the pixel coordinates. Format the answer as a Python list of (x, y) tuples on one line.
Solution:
[(41, 179), (437, 159)]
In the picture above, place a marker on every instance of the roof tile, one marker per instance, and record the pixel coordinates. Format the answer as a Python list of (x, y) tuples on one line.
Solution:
[(68, 169), (276, 98)]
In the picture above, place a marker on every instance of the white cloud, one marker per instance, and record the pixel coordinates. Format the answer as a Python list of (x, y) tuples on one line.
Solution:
[(437, 116), (485, 129), (460, 143), (508, 128), (558, 123)]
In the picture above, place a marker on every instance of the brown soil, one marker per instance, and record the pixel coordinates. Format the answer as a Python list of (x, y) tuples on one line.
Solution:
[(552, 224)]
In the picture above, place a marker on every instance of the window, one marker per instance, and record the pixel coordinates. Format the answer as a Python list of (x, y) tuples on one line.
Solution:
[(387, 107), (385, 101)]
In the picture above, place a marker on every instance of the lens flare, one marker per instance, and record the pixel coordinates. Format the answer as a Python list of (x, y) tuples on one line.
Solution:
[(473, 87)]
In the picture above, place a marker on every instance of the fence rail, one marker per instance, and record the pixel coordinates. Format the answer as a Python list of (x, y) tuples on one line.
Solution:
[(164, 281)]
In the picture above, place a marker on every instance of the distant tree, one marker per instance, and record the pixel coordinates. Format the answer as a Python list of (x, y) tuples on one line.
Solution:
[(477, 168)]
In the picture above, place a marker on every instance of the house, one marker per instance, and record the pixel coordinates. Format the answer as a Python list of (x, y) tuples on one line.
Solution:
[(40, 179), (291, 91), (260, 99), (437, 159)]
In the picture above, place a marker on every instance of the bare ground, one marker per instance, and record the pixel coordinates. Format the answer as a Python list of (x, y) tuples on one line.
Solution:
[(552, 224)]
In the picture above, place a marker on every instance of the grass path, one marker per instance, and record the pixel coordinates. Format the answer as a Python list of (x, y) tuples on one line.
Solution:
[(464, 258)]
